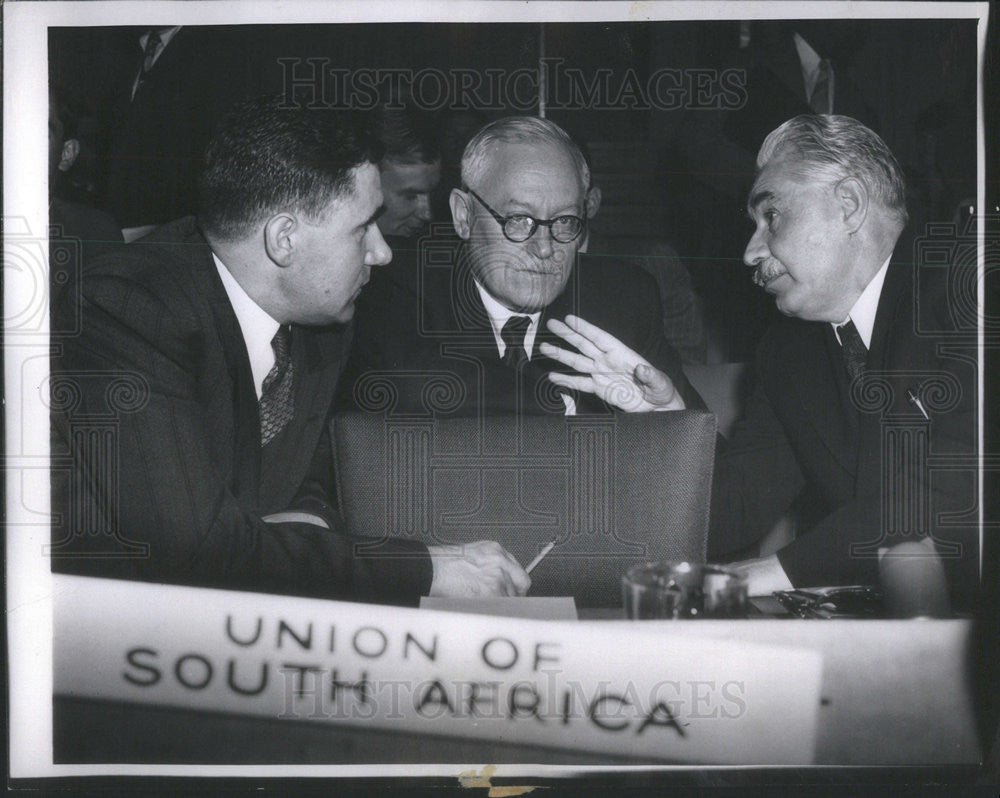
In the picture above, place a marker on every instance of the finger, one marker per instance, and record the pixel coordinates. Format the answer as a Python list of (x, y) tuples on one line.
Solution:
[(573, 381), (508, 585), (521, 580), (625, 395), (571, 359), (604, 341), (574, 338), (513, 567), (658, 388), (511, 560), (653, 379), (482, 552)]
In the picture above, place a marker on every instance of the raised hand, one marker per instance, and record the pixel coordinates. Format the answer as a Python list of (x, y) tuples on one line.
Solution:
[(483, 568), (609, 369)]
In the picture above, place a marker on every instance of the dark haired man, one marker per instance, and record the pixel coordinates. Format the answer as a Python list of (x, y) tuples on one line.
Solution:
[(229, 330)]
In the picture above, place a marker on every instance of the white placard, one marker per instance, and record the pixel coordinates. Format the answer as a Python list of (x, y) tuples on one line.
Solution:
[(611, 688)]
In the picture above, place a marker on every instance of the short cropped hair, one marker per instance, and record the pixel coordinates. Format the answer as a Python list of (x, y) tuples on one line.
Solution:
[(266, 156), (835, 147), (520, 129), (409, 135)]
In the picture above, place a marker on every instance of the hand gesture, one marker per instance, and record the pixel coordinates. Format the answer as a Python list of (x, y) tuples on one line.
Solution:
[(609, 369), (476, 569)]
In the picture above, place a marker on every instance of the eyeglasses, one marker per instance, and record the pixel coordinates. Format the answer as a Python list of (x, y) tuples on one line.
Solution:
[(519, 227)]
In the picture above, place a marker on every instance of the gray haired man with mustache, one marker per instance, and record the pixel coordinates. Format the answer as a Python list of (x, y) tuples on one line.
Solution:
[(859, 323)]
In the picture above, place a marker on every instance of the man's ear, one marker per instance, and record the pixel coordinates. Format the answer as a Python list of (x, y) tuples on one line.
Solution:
[(279, 238), (593, 201), (852, 199), (70, 150), (461, 217)]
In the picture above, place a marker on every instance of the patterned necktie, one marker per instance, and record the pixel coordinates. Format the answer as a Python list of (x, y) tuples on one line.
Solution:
[(853, 348), (823, 90), (512, 334), (276, 400), (148, 56)]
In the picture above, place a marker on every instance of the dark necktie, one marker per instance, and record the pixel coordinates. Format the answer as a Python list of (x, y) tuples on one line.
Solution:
[(512, 334), (822, 91), (276, 400), (148, 55), (853, 348)]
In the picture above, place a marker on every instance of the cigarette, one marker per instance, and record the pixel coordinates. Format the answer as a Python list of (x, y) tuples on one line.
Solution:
[(541, 555), (915, 401)]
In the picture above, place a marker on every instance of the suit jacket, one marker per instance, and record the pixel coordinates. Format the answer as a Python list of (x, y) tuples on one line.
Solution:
[(157, 138), (178, 488), (421, 324), (78, 234), (683, 319), (858, 450), (775, 92)]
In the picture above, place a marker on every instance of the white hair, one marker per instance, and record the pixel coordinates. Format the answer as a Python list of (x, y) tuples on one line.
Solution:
[(836, 147), (530, 129)]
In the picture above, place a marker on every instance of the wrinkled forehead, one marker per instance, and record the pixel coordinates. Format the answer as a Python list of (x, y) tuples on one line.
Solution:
[(779, 179), (541, 169)]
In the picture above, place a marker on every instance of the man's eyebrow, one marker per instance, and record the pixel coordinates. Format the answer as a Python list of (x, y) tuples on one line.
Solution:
[(378, 212), (759, 197), (516, 206)]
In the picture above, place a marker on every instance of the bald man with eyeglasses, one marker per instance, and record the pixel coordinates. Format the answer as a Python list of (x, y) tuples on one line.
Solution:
[(455, 324)]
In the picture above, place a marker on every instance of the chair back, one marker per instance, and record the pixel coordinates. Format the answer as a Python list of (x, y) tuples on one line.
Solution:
[(610, 490)]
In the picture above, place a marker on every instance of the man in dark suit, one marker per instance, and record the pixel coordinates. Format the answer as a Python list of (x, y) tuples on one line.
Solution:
[(854, 387), (169, 98), (789, 68), (458, 327), (208, 360)]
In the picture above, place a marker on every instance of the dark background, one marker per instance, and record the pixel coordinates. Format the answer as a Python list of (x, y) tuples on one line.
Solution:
[(676, 175)]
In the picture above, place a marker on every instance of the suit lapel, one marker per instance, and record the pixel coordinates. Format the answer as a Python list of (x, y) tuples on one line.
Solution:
[(895, 290), (246, 420), (469, 315), (504, 390), (782, 61), (568, 302), (317, 356), (809, 370), (892, 318)]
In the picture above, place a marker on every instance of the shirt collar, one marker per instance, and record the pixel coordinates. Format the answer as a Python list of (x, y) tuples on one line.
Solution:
[(809, 59), (257, 326), (499, 314), (166, 34), (864, 310)]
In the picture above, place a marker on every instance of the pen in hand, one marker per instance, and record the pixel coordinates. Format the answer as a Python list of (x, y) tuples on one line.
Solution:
[(541, 555)]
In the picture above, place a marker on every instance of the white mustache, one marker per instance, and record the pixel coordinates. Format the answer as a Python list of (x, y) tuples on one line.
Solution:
[(764, 273)]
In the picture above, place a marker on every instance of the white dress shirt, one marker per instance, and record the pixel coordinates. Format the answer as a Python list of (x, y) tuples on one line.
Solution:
[(864, 310), (257, 326), (499, 315), (810, 61)]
